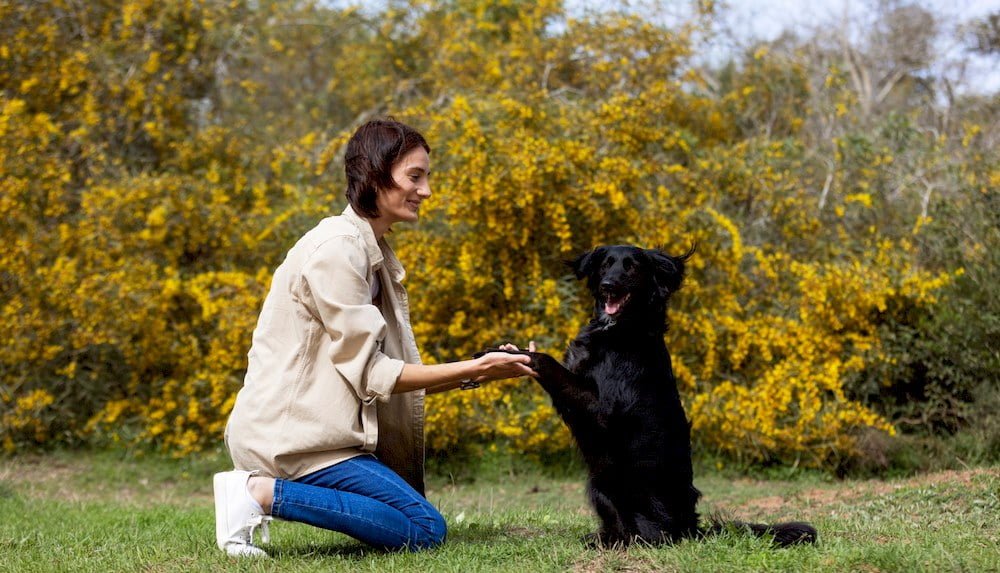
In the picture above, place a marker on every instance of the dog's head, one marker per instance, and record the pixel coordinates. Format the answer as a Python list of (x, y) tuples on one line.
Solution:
[(630, 283)]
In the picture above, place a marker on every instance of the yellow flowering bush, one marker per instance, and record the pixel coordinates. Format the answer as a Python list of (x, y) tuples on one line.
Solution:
[(160, 157)]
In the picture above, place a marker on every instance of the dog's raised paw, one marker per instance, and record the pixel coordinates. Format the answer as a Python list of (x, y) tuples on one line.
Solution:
[(482, 353)]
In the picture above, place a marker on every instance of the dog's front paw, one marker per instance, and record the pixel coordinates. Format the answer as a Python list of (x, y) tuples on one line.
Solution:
[(482, 353)]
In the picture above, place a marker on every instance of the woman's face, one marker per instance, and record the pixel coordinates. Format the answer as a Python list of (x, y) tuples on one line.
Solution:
[(411, 174)]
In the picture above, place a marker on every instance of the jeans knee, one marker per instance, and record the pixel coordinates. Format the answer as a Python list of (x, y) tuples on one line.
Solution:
[(433, 531)]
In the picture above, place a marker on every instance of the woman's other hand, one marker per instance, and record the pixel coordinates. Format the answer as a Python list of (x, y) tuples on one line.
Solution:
[(509, 346)]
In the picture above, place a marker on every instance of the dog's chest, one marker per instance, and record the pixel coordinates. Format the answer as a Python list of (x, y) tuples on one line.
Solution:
[(619, 383), (629, 373), (617, 402)]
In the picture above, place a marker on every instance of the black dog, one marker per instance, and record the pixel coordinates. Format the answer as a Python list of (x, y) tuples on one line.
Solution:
[(618, 396)]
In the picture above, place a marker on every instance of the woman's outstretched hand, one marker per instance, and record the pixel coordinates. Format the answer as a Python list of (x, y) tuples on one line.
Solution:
[(501, 365), (493, 364)]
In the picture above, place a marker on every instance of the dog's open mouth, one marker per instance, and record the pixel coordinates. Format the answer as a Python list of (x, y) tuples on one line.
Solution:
[(614, 304)]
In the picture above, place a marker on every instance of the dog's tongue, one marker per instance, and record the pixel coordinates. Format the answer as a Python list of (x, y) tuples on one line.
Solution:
[(612, 306)]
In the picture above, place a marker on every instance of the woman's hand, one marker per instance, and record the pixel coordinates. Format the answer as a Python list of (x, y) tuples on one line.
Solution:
[(491, 366), (500, 365)]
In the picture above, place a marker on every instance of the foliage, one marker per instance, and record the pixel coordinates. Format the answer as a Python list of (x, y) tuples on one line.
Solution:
[(160, 157)]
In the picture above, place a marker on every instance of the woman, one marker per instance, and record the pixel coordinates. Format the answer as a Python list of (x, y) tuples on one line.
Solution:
[(328, 427)]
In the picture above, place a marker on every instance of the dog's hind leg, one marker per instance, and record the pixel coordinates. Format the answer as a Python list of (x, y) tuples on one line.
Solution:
[(613, 529), (651, 531), (656, 523)]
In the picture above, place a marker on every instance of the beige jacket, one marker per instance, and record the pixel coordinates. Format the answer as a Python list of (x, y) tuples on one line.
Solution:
[(324, 360)]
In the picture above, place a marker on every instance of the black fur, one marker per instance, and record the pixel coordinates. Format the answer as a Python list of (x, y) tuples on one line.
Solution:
[(617, 394)]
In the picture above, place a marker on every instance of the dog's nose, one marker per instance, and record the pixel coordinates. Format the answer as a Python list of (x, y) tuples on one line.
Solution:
[(607, 285)]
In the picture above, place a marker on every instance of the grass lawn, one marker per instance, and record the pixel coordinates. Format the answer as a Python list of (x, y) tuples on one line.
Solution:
[(111, 511)]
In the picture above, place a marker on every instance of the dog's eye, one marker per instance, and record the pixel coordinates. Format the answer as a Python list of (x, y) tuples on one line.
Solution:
[(627, 264)]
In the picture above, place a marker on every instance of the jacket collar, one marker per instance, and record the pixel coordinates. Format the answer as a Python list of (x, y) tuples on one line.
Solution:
[(379, 252)]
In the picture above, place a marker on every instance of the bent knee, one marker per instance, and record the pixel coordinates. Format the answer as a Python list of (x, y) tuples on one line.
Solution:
[(432, 531)]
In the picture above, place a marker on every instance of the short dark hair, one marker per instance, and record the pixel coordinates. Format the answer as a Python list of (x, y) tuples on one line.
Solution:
[(371, 152)]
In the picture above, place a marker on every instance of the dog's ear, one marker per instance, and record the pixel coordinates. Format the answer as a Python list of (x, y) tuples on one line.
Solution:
[(668, 271), (585, 264)]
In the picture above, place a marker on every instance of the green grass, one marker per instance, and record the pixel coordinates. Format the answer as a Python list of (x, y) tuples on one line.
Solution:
[(113, 511)]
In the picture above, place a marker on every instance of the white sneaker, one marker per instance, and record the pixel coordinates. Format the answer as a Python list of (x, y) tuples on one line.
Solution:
[(237, 516)]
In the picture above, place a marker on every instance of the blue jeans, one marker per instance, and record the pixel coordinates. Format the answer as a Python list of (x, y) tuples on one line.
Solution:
[(364, 499)]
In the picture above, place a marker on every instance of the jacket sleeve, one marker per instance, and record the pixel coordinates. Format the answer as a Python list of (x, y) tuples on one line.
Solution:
[(335, 289)]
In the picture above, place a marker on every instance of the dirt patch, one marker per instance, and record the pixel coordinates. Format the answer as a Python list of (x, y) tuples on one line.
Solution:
[(953, 476), (523, 532), (33, 474), (36, 469), (767, 504), (57, 477), (819, 498)]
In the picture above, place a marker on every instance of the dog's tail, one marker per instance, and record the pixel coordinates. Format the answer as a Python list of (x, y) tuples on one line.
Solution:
[(782, 534)]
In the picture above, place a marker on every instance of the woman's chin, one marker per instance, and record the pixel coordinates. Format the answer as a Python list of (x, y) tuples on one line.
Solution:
[(406, 216)]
